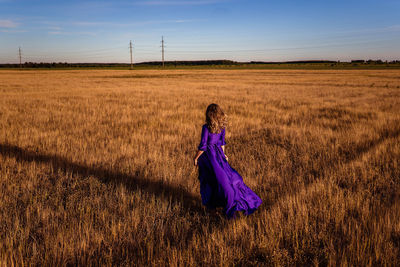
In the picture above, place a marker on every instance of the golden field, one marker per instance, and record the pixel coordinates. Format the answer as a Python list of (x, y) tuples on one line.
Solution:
[(96, 167)]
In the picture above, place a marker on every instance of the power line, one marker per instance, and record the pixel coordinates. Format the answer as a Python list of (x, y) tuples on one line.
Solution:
[(177, 51), (96, 50), (162, 49), (130, 48), (20, 57), (275, 49), (84, 52)]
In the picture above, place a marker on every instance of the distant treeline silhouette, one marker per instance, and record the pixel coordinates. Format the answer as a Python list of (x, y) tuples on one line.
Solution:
[(185, 63)]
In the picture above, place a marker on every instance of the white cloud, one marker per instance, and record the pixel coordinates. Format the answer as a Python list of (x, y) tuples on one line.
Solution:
[(12, 31), (148, 22), (90, 23), (394, 28), (54, 28), (71, 33), (5, 23), (179, 3)]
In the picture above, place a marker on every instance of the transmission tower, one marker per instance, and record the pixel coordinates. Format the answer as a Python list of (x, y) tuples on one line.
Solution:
[(20, 57), (162, 50), (130, 48)]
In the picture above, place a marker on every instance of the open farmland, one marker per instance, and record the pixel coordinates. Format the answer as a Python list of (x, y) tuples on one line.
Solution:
[(96, 167)]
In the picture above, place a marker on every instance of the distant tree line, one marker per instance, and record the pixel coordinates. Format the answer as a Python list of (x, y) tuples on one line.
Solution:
[(107, 65), (63, 65), (190, 63), (294, 62), (370, 61), (184, 63)]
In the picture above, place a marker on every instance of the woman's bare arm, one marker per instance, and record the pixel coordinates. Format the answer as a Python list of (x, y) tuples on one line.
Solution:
[(223, 149), (198, 154)]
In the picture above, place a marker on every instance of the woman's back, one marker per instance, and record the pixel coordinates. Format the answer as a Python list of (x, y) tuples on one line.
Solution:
[(208, 138)]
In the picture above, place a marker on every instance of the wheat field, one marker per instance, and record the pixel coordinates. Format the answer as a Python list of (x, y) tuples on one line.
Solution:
[(96, 167)]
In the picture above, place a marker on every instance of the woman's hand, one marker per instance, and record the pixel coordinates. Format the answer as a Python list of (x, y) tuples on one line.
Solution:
[(198, 154)]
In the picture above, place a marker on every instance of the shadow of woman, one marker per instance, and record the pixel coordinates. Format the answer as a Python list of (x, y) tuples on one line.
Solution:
[(132, 182)]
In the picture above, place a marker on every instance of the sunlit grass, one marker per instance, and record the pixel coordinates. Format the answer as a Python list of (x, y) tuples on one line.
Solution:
[(96, 167)]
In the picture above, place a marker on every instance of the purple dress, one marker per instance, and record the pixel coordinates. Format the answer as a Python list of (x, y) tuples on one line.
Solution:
[(220, 184)]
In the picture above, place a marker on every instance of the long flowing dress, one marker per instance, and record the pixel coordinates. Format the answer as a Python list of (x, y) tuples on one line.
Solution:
[(220, 184)]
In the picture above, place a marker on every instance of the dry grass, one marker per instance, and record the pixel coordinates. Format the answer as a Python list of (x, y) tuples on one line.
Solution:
[(96, 167)]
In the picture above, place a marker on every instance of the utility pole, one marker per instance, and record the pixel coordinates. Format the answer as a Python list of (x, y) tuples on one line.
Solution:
[(130, 47), (20, 57), (162, 49)]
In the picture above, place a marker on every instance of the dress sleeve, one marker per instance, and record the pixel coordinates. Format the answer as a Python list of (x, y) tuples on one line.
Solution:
[(223, 137), (204, 136)]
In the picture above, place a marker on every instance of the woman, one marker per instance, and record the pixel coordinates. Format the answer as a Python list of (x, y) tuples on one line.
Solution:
[(220, 184)]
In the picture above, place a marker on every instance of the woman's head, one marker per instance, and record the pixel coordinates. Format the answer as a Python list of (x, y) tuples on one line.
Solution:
[(215, 118)]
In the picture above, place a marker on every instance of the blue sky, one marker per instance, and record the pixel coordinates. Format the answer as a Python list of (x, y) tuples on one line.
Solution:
[(268, 30)]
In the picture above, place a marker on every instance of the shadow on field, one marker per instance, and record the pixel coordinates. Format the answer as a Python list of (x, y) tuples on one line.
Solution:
[(299, 170), (138, 181), (321, 162)]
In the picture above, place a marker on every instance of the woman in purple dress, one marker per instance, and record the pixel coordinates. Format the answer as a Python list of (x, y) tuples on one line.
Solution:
[(220, 184)]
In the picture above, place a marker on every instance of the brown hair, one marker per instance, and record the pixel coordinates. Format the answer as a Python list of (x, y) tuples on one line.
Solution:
[(216, 119)]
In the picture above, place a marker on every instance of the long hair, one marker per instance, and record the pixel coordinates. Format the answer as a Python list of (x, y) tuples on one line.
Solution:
[(216, 119)]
